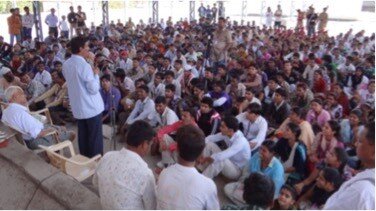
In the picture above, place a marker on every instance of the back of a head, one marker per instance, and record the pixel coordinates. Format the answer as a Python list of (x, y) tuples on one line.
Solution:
[(139, 132), (258, 190), (333, 176), (191, 142)]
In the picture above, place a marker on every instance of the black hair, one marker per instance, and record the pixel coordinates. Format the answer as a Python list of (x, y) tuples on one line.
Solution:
[(139, 132), (76, 43), (270, 145), (231, 122), (169, 73), (259, 190), (208, 101), (191, 111), (301, 112), (57, 62), (200, 86), (178, 61), (342, 157), (334, 125), (144, 87), (159, 74), (332, 175), (106, 77), (219, 84), (170, 87), (254, 108), (295, 129), (293, 192), (282, 92), (191, 142), (317, 100), (160, 100)]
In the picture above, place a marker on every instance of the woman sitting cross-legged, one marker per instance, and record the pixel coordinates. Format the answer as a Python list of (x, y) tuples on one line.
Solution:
[(263, 162)]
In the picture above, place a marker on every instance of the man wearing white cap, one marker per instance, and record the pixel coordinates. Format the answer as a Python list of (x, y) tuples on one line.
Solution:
[(8, 79)]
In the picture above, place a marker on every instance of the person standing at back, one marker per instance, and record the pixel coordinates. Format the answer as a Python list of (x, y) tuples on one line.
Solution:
[(72, 19), (52, 21), (84, 96), (14, 25)]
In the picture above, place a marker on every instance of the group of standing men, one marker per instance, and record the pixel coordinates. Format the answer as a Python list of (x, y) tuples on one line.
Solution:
[(210, 13), (311, 17), (20, 26)]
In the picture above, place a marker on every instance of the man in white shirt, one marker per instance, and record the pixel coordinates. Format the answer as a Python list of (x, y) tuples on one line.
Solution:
[(358, 193), (43, 76), (123, 83), (278, 17), (157, 88), (123, 178), (181, 186), (255, 126), (169, 79), (163, 115), (144, 106), (52, 21), (231, 161), (310, 69), (84, 97), (18, 116), (27, 23)]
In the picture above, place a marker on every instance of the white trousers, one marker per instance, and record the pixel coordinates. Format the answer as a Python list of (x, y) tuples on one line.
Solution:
[(234, 191), (168, 157), (226, 167)]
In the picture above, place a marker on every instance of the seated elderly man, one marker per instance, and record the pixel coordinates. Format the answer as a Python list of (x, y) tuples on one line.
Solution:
[(17, 116)]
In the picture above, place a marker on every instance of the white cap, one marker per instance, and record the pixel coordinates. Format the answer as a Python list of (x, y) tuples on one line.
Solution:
[(187, 67), (4, 70)]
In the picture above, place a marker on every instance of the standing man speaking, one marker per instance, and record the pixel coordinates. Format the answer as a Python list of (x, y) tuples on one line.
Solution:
[(84, 96)]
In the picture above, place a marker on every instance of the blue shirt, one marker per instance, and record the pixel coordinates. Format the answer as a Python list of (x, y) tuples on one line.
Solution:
[(111, 99), (274, 171), (83, 88)]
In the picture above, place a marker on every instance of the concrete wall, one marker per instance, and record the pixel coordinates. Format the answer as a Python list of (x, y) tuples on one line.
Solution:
[(28, 182)]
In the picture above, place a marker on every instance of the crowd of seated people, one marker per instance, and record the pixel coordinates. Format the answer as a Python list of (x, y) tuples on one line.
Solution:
[(286, 118)]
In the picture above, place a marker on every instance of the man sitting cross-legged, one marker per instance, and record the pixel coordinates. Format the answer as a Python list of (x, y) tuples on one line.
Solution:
[(18, 116), (231, 161)]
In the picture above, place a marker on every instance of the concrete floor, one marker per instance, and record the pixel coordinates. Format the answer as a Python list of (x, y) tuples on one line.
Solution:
[(220, 181)]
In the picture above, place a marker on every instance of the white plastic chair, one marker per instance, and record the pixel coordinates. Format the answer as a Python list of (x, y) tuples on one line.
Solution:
[(77, 166)]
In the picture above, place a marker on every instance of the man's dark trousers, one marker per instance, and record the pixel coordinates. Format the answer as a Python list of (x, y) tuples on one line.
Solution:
[(90, 136)]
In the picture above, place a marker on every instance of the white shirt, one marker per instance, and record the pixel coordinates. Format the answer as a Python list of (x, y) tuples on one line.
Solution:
[(126, 64), (125, 182), (367, 96), (255, 100), (83, 88), (141, 111), (64, 25), (129, 84), (184, 188), (156, 91), (238, 151), (18, 117), (348, 69), (168, 117), (28, 21), (44, 78), (254, 131), (52, 20), (309, 72), (356, 194)]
